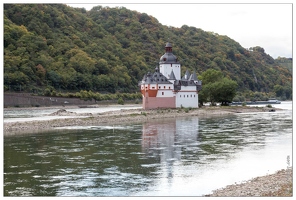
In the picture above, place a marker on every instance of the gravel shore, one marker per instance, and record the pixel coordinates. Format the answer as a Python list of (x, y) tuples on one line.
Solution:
[(279, 184), (119, 117)]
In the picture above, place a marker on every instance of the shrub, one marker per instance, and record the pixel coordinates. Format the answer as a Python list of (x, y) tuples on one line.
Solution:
[(186, 110), (120, 101)]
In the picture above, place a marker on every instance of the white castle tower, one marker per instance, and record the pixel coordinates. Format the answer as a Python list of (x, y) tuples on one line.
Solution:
[(169, 62)]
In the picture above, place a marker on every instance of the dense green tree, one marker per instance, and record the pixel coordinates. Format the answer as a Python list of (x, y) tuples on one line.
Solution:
[(40, 73), (279, 90), (216, 88), (82, 63), (16, 80), (225, 91), (54, 78), (211, 76)]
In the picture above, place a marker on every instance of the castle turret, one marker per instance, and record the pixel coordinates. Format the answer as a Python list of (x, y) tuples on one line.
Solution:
[(169, 62), (186, 76), (193, 77)]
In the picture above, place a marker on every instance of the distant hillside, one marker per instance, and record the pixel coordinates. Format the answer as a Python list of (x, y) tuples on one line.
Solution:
[(110, 49), (285, 62)]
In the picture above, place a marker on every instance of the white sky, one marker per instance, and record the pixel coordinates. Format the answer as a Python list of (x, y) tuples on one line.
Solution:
[(268, 25)]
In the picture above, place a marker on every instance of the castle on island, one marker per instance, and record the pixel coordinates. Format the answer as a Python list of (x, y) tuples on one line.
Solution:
[(165, 88)]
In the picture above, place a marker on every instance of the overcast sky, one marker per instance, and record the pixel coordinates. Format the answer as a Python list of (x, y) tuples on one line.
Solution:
[(268, 25)]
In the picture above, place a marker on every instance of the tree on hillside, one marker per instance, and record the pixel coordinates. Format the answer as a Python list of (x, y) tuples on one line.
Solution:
[(40, 73), (216, 88)]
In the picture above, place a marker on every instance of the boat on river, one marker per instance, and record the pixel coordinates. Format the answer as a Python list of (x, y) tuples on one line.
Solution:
[(270, 101)]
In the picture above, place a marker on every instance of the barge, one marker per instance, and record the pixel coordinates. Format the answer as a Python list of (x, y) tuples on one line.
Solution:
[(270, 101)]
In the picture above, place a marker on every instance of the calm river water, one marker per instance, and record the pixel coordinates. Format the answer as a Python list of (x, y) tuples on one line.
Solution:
[(170, 157)]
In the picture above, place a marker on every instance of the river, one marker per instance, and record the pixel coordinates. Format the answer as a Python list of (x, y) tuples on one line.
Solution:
[(188, 156)]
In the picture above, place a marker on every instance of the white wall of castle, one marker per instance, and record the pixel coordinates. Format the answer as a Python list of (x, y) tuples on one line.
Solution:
[(165, 93), (165, 86), (187, 99), (165, 90), (166, 70)]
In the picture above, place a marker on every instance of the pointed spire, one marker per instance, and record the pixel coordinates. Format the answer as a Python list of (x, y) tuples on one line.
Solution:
[(193, 76), (186, 76), (172, 76)]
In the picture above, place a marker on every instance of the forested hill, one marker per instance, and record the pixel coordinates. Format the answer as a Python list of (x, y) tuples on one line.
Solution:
[(110, 49)]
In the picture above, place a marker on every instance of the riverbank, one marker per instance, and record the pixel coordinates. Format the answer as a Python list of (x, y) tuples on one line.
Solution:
[(279, 184), (121, 117)]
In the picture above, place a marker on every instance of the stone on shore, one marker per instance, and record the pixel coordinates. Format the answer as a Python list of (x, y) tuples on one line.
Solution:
[(63, 112)]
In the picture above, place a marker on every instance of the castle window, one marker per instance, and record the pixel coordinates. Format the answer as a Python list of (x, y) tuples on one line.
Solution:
[(153, 87), (180, 96), (159, 87), (162, 93), (191, 95), (184, 95), (146, 87), (187, 95), (169, 87), (164, 87)]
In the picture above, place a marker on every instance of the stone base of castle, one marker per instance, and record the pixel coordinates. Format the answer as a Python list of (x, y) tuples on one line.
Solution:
[(159, 102)]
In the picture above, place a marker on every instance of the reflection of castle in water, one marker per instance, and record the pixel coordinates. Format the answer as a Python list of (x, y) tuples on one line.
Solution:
[(168, 136), (164, 139)]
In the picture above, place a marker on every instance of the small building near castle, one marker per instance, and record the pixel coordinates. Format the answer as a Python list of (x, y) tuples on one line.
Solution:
[(166, 89)]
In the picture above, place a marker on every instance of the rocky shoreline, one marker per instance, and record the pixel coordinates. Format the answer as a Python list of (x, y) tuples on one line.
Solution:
[(279, 184), (120, 117)]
